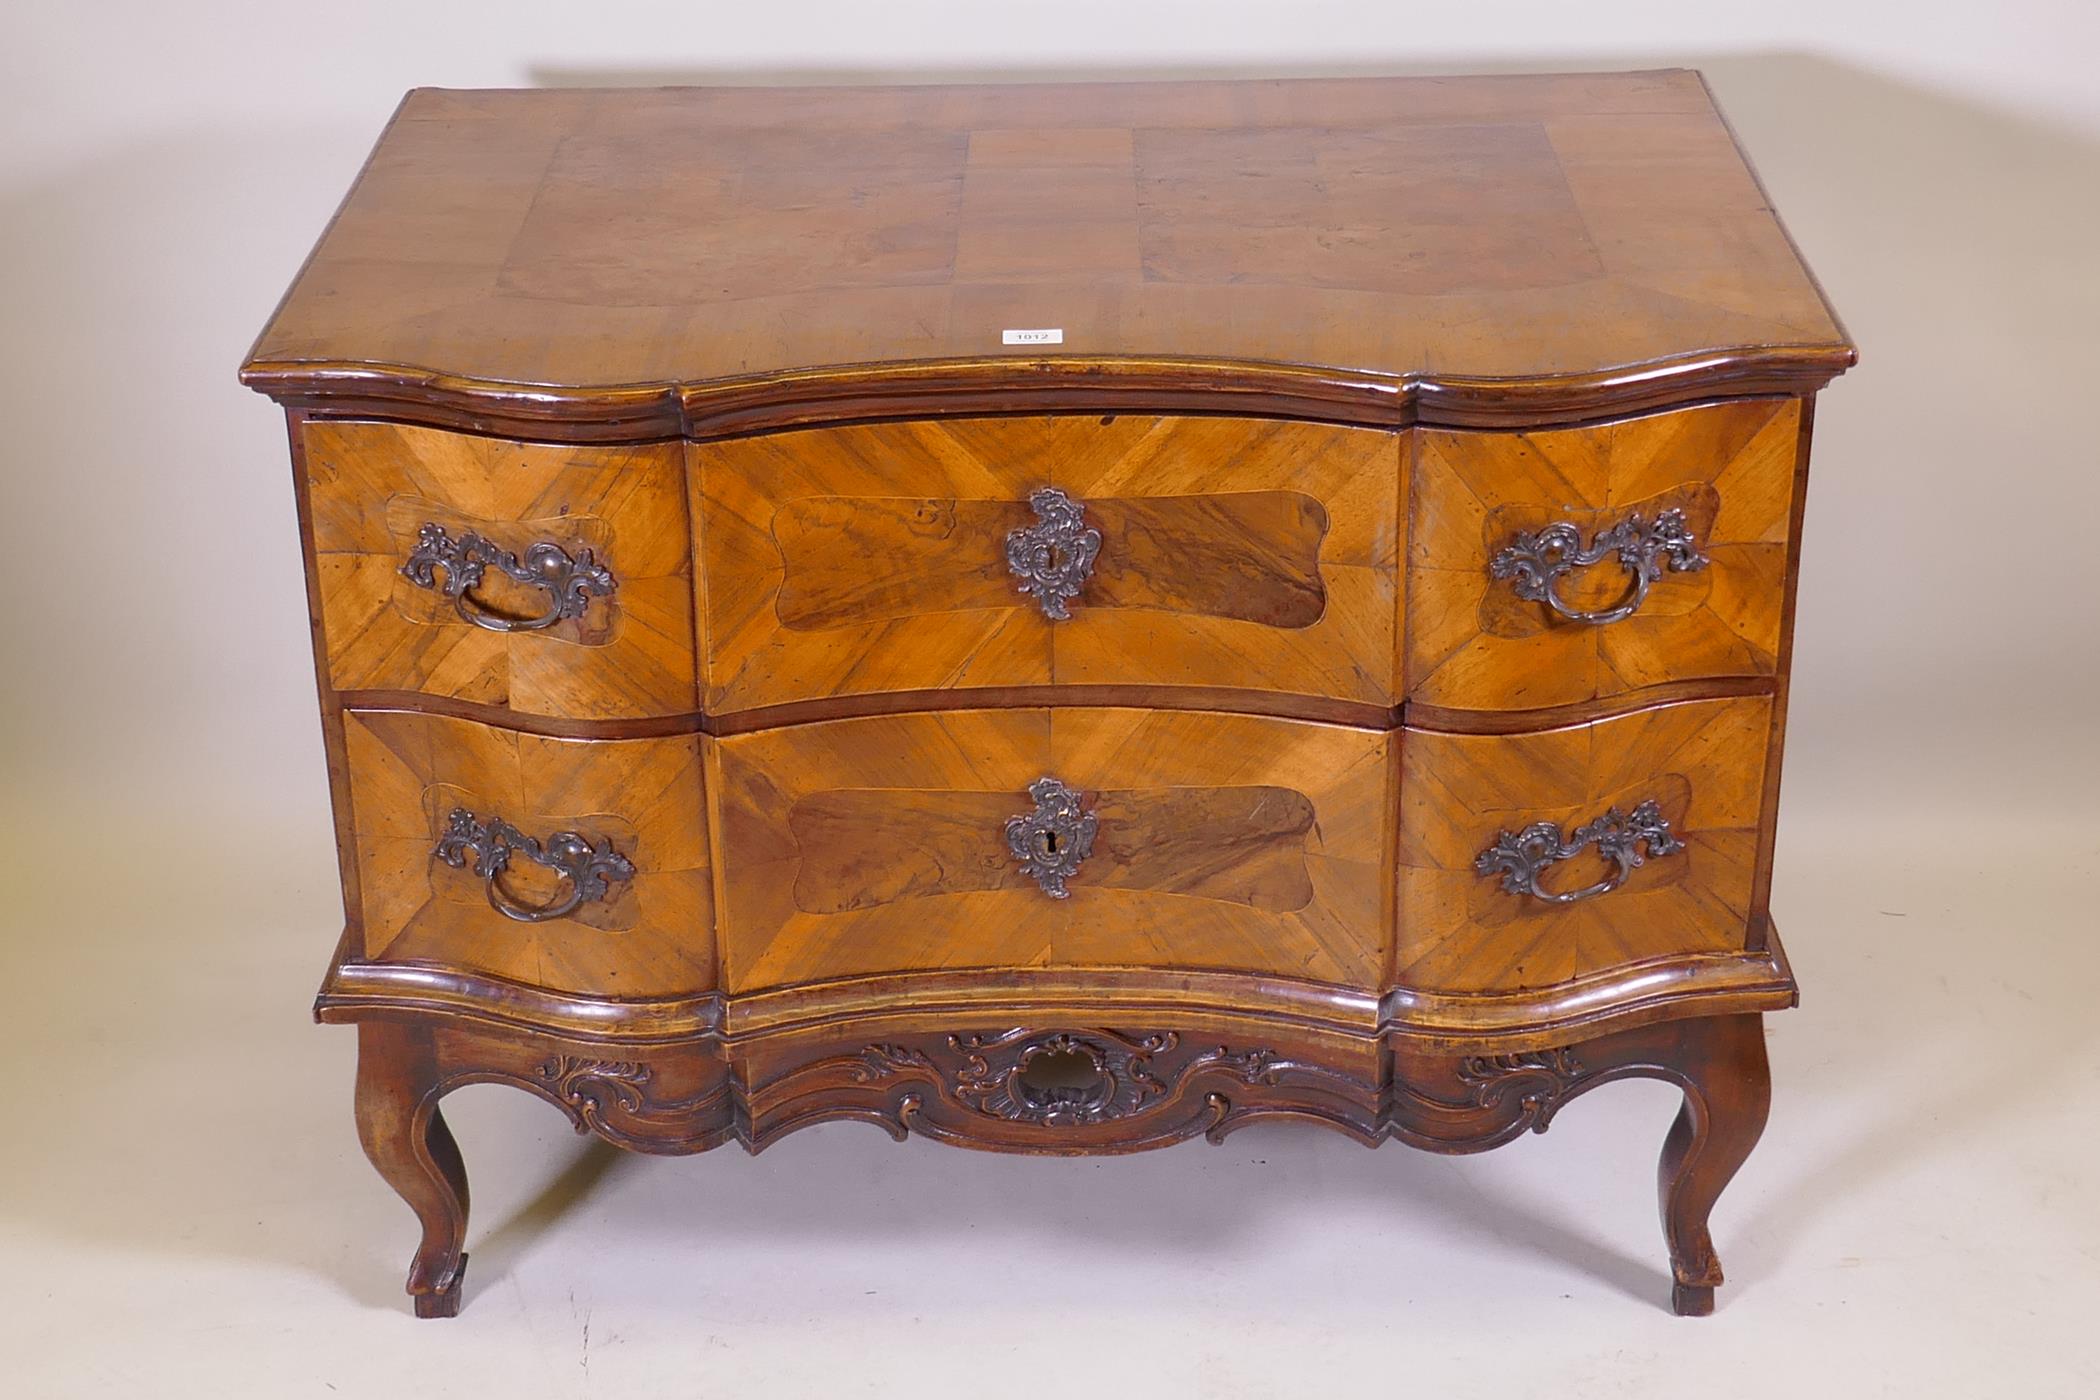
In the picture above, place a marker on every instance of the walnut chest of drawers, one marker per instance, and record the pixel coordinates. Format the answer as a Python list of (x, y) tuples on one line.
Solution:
[(1056, 618)]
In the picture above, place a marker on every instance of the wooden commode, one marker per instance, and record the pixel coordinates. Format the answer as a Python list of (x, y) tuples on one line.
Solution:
[(1059, 618)]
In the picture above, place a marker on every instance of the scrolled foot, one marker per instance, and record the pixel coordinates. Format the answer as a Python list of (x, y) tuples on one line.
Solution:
[(1691, 1300), (444, 1301)]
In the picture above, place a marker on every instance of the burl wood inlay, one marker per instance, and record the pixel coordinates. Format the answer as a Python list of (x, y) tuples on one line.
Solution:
[(1251, 556), (1057, 618), (631, 654), (1702, 761), (1241, 845), (1472, 642), (656, 936), (1235, 553), (878, 845)]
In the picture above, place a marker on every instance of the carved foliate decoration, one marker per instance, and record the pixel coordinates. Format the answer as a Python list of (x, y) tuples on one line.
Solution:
[(594, 1088), (569, 582), (587, 867), (1537, 1081), (1539, 560), (1113, 1078), (1053, 558), (1051, 841), (1521, 857)]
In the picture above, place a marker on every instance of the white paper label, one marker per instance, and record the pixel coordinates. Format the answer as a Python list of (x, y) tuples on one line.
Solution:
[(1052, 336)]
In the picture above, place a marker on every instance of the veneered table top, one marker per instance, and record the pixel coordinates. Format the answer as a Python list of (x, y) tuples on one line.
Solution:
[(1364, 242)]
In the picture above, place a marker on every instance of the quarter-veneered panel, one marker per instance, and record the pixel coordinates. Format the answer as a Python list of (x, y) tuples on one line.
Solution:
[(650, 933), (628, 653), (1461, 929), (876, 845), (1712, 607), (1234, 553)]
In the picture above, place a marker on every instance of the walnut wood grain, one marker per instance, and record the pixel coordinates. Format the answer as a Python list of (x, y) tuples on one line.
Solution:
[(742, 347), (1702, 761), (1235, 552), (373, 485), (1226, 842), (1473, 643), (654, 937), (1372, 249)]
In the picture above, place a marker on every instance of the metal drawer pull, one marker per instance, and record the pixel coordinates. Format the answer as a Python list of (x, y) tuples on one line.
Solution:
[(1520, 857), (1538, 562), (1051, 841), (589, 869), (571, 583), (1053, 558)]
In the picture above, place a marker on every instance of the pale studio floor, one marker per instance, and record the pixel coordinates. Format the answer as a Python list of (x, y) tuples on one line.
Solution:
[(187, 1213)]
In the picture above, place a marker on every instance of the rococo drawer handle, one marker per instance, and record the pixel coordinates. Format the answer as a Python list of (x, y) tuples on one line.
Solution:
[(1520, 857), (1054, 557), (571, 583), (1051, 841), (1539, 561), (589, 869)]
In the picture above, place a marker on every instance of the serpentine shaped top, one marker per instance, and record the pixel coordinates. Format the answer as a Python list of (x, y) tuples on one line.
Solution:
[(1378, 250)]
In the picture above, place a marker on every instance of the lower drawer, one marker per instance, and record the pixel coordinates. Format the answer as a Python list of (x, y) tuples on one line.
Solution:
[(1161, 839), (1530, 859), (576, 865)]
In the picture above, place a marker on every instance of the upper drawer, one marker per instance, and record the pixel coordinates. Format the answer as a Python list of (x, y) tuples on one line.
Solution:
[(1549, 568), (552, 580), (1224, 552)]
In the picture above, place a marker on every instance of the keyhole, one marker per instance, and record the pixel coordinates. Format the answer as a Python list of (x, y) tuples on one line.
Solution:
[(1048, 841)]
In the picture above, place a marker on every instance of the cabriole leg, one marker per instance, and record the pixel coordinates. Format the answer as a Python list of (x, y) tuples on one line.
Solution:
[(1727, 1094), (406, 1138)]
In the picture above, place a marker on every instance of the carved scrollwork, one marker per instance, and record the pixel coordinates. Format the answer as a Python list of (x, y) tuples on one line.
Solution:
[(1521, 857), (888, 1061), (1061, 1079), (587, 867), (1061, 1090), (592, 1088), (1537, 1081), (569, 582), (1051, 841), (1539, 560), (1053, 558)]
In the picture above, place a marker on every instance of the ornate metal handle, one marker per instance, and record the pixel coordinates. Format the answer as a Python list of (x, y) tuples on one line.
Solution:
[(589, 869), (1520, 857), (1538, 562), (1051, 841), (1054, 557), (571, 583)]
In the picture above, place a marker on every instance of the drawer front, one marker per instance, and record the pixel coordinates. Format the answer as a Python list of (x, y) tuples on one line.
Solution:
[(1221, 552), (603, 886), (550, 580), (1184, 840), (1551, 568), (1530, 859)]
